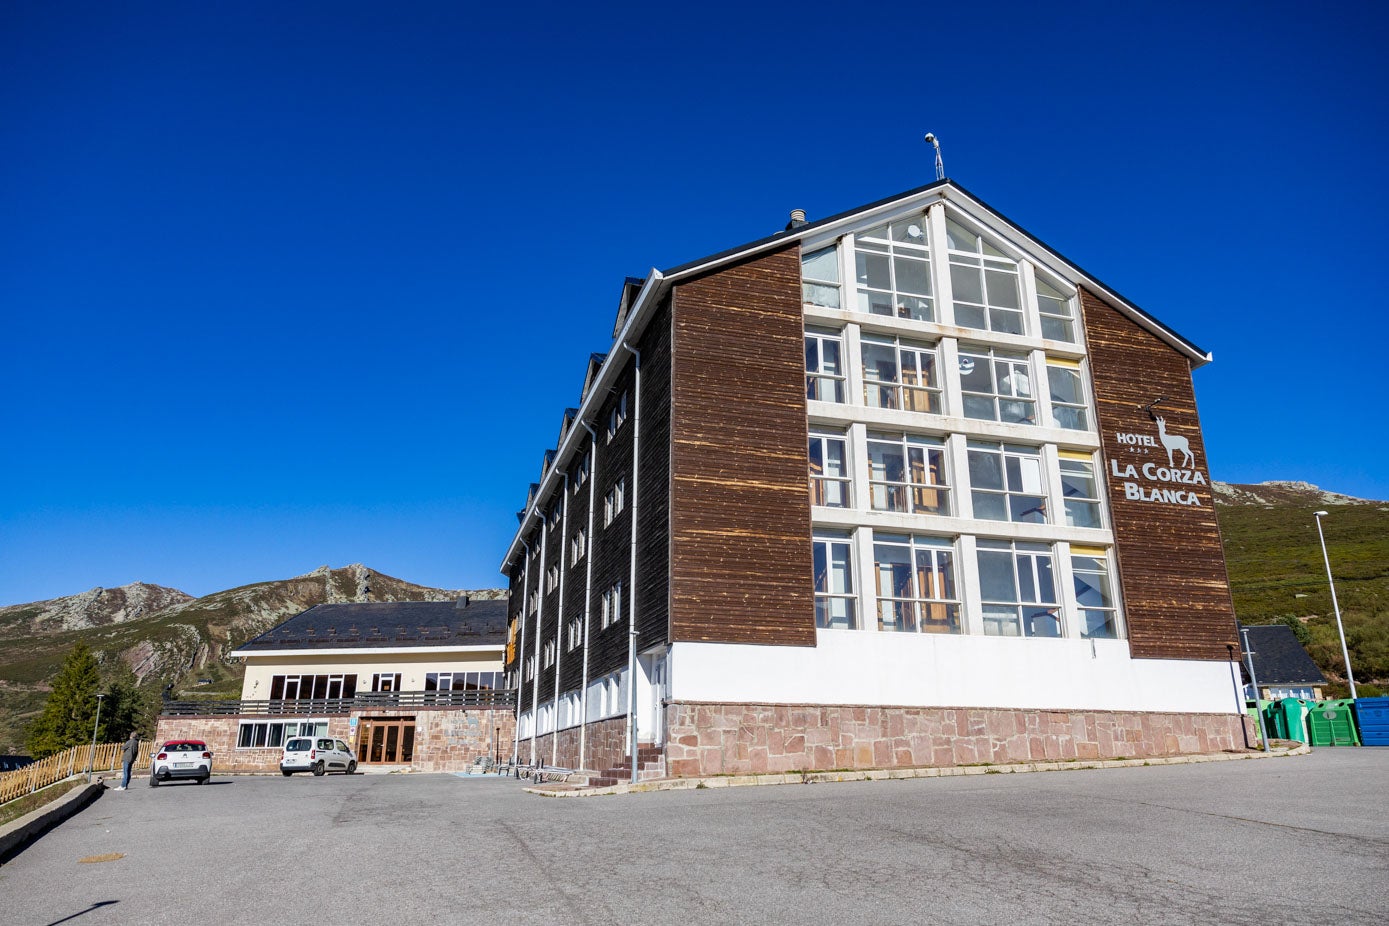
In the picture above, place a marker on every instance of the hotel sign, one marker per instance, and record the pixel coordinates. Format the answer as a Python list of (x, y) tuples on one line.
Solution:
[(1150, 481)]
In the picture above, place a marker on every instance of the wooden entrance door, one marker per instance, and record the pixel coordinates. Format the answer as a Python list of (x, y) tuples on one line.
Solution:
[(386, 741)]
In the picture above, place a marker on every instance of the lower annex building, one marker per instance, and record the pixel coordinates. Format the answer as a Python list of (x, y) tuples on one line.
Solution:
[(898, 487)]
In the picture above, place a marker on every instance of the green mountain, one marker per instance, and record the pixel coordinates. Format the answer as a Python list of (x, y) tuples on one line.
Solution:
[(1277, 573), (165, 636)]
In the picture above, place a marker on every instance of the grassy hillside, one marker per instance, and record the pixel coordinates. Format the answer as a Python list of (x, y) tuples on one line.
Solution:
[(1277, 573)]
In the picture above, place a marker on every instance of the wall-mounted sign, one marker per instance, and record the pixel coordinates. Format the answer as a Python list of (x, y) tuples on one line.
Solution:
[(1150, 481)]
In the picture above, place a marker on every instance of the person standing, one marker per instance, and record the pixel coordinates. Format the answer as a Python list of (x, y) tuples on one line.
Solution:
[(132, 749)]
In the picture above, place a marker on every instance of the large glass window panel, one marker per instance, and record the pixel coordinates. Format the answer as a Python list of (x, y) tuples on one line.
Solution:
[(1018, 587), (820, 277), (834, 583), (1058, 318), (1094, 594), (1006, 482), (997, 385), (907, 474), (824, 367), (983, 282), (1081, 491), (900, 374), (893, 271), (829, 471), (1067, 398), (916, 584)]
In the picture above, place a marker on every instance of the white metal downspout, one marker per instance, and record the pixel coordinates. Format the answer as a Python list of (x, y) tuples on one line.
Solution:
[(632, 589), (521, 653), (539, 622), (588, 593), (559, 619)]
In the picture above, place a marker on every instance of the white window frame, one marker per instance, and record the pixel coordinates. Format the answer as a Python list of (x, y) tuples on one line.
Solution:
[(830, 491), (610, 605), (982, 259), (819, 378), (922, 610), (1025, 456), (1011, 394), (898, 248), (909, 496), (614, 501), (1071, 502), (811, 284), (1110, 611), (825, 546), (1029, 617), (391, 681), (616, 416), (578, 545), (1059, 408), (1065, 296), (924, 359)]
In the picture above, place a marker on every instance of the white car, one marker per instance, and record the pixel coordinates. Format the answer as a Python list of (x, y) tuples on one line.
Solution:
[(181, 759), (318, 755)]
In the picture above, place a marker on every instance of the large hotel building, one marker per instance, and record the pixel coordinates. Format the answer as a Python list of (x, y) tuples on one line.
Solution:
[(899, 487)]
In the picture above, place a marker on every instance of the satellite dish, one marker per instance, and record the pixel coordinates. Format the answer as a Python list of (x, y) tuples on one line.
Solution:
[(966, 365), (914, 231)]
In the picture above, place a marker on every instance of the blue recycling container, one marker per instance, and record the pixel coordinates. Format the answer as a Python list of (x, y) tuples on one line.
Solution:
[(1372, 719)]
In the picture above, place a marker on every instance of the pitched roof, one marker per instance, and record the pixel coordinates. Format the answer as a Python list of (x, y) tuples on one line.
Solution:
[(387, 625), (1279, 659)]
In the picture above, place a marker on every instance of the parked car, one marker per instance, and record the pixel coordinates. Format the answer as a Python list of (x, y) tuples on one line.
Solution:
[(181, 759), (318, 755)]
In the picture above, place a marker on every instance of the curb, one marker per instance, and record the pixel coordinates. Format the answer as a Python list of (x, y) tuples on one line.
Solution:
[(17, 834), (883, 774)]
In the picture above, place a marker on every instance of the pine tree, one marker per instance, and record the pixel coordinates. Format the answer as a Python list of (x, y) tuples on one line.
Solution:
[(68, 716)]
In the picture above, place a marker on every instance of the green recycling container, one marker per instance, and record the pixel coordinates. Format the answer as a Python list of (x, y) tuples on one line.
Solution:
[(1331, 723), (1274, 721), (1293, 722)]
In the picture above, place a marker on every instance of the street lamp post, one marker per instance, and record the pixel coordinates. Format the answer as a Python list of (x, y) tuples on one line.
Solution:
[(1254, 682), (1345, 653), (91, 753)]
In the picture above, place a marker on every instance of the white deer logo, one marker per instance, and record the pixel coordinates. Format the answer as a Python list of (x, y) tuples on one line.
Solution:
[(1174, 442)]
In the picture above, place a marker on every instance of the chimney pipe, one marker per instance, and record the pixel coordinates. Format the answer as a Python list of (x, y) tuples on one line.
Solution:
[(797, 219)]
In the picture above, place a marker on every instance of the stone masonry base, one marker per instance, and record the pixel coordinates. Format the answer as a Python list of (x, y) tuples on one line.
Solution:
[(445, 740), (605, 746), (753, 739)]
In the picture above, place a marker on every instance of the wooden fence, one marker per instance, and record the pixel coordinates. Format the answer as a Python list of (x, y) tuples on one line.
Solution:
[(105, 757)]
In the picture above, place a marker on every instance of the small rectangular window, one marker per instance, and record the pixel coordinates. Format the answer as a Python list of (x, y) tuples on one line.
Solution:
[(824, 366), (1054, 306), (617, 416), (1099, 615), (820, 277), (1081, 492), (614, 501), (916, 584), (1067, 389), (892, 267), (829, 471), (834, 583)]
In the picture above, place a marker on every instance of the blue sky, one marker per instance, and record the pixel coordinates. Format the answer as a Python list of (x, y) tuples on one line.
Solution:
[(294, 284)]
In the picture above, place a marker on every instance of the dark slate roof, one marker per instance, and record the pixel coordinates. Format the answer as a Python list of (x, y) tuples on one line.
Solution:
[(378, 624), (1279, 659)]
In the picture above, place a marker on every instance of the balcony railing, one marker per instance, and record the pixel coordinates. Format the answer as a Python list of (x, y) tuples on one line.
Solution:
[(364, 700)]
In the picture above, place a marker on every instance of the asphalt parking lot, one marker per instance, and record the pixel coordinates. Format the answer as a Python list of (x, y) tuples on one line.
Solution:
[(1290, 840)]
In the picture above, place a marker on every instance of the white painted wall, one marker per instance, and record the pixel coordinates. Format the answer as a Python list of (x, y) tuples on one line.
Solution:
[(854, 667)]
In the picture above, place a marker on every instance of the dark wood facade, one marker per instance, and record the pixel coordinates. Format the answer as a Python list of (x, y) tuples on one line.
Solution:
[(608, 546), (740, 515), (1171, 563)]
